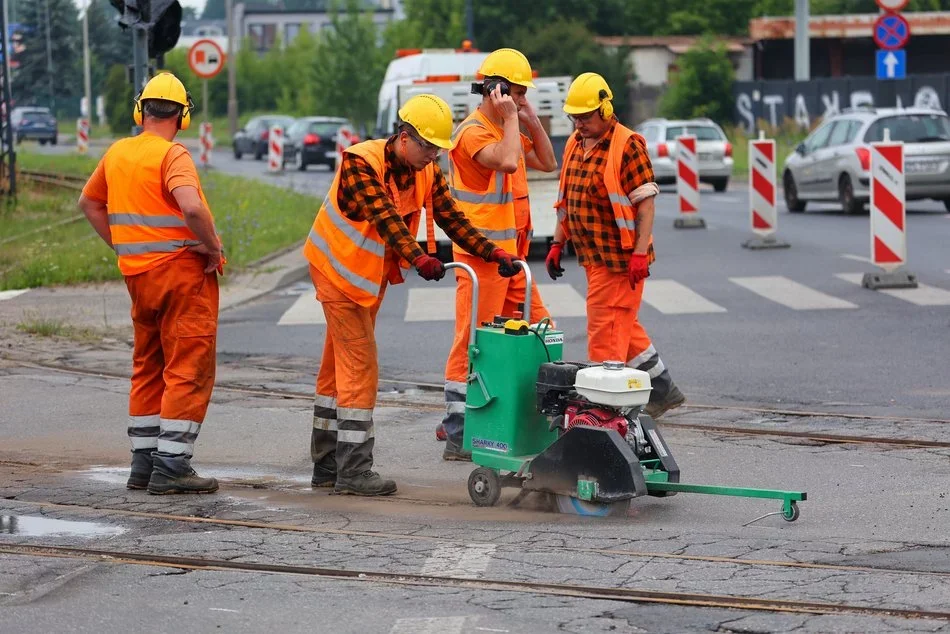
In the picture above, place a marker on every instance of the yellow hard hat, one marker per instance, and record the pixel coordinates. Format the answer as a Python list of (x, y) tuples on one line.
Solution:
[(431, 117), (509, 64), (589, 92), (166, 87)]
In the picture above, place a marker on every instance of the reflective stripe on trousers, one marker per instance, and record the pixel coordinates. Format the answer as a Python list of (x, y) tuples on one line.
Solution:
[(177, 437), (144, 430)]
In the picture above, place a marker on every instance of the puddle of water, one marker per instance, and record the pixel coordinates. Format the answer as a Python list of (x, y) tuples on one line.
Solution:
[(38, 526)]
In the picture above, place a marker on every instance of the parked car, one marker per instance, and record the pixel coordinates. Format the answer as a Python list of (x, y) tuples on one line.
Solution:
[(713, 149), (254, 137), (313, 141), (834, 162), (33, 122)]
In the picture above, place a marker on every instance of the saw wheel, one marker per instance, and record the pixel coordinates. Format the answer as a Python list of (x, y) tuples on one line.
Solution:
[(574, 506)]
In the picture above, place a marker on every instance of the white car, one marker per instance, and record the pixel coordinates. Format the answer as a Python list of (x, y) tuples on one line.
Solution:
[(712, 146)]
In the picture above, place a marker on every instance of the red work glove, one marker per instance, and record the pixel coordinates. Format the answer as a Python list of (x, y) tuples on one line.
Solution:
[(429, 268), (553, 261), (506, 262), (639, 269)]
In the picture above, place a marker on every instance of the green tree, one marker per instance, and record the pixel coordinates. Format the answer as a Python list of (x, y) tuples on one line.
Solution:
[(567, 47), (118, 98), (349, 66), (431, 23), (214, 10), (34, 82), (703, 85)]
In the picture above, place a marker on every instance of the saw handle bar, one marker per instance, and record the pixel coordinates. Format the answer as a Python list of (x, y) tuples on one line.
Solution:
[(474, 278)]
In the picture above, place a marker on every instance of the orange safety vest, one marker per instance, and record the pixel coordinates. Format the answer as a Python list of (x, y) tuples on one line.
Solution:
[(351, 253), (146, 228), (491, 211), (624, 211)]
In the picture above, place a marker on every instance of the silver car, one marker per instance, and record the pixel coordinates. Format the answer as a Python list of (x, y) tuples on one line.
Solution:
[(714, 150), (833, 163)]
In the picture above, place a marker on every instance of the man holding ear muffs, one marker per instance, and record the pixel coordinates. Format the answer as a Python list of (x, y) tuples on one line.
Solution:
[(488, 179), (145, 201), (606, 207)]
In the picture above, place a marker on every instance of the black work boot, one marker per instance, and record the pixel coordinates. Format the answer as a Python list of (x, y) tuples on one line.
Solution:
[(141, 469), (674, 398), (453, 451), (322, 477), (173, 474), (368, 483)]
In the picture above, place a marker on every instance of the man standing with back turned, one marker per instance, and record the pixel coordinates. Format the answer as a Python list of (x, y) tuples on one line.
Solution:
[(489, 181), (606, 209), (145, 201)]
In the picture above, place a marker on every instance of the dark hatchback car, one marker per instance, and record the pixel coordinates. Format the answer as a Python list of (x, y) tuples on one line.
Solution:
[(32, 122), (313, 141), (253, 138)]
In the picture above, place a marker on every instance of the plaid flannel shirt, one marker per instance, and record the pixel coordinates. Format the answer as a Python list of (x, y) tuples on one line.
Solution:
[(590, 221), (364, 197)]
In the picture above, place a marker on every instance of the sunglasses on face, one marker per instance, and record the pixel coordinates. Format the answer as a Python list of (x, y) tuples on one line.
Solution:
[(583, 118), (428, 148)]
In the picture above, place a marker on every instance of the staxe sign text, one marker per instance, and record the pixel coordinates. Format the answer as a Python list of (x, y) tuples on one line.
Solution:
[(806, 102)]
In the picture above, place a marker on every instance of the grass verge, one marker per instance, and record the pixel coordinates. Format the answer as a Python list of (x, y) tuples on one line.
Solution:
[(35, 324), (45, 241)]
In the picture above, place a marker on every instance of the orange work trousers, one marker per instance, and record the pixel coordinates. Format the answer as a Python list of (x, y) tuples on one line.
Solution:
[(497, 295), (175, 323), (349, 370), (614, 332)]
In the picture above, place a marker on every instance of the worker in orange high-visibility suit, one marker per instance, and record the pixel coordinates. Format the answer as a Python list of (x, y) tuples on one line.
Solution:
[(145, 201), (362, 238), (489, 181), (606, 208)]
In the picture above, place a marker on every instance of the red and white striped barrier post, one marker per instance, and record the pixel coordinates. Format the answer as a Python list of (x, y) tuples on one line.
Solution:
[(207, 144), (687, 184), (275, 149), (763, 212), (344, 139), (888, 217), (82, 135)]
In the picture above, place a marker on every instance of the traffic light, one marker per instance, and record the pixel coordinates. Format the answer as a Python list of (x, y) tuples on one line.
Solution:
[(160, 18)]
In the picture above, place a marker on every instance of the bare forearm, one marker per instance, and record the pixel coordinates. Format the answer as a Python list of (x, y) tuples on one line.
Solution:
[(198, 219), (645, 213), (511, 143), (543, 149), (98, 216)]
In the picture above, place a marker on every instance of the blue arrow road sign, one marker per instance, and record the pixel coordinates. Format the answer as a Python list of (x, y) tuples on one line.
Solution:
[(891, 64)]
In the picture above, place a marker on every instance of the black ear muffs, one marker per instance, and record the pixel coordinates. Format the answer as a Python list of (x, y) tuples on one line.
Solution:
[(606, 107), (492, 83)]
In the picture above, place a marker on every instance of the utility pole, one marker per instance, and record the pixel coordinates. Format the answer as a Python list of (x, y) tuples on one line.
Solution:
[(9, 149), (7, 47), (232, 70), (470, 21), (49, 62), (802, 42), (86, 68)]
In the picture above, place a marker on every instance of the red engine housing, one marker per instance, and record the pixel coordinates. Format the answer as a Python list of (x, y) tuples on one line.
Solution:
[(583, 414)]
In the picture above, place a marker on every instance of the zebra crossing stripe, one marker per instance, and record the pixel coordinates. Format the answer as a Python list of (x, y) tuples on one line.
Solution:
[(431, 304), (12, 293), (786, 292), (923, 295), (463, 562), (306, 310), (434, 625), (672, 298)]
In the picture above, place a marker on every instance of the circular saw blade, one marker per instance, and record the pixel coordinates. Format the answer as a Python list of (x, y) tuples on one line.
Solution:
[(575, 506)]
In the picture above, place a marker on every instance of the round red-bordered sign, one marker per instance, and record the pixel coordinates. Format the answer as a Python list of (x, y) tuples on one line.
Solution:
[(205, 58), (891, 31), (892, 5)]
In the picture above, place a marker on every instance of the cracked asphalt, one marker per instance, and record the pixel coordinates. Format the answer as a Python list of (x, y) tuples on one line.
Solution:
[(872, 533)]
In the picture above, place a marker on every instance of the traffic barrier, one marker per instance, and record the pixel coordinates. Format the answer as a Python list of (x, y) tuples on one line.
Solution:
[(82, 135), (206, 140), (275, 149), (344, 139), (888, 217), (687, 184), (763, 214)]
